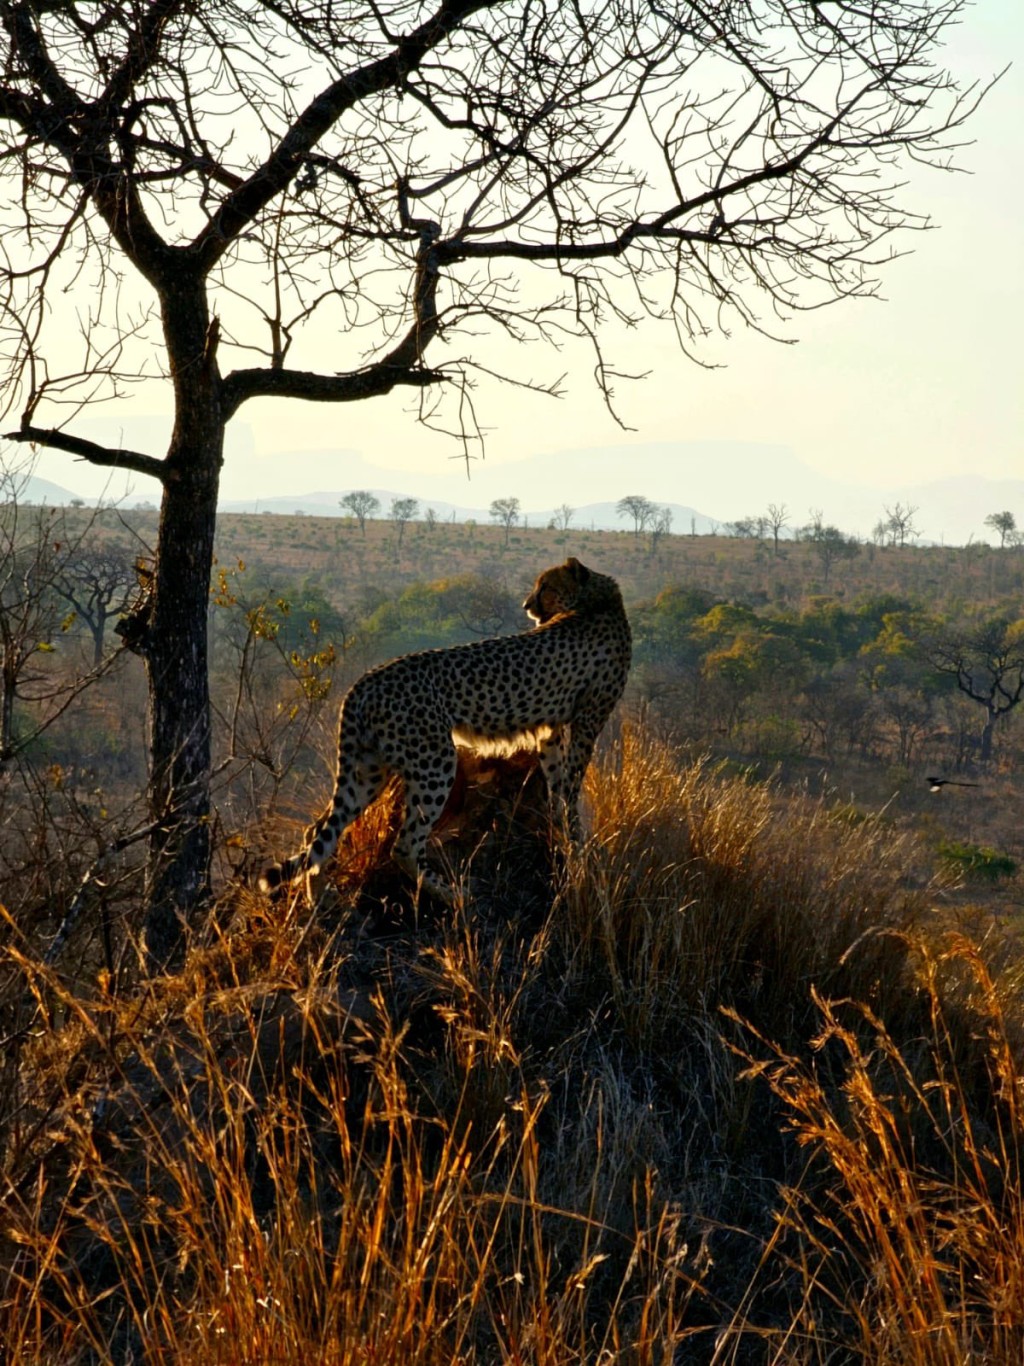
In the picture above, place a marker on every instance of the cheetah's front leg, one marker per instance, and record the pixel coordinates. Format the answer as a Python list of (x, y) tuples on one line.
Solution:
[(555, 750), (564, 759)]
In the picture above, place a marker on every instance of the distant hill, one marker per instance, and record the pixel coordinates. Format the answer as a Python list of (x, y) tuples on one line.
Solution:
[(721, 482), (36, 490)]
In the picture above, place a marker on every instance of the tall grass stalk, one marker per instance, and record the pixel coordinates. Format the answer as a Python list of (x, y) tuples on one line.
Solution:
[(317, 1217), (909, 1228), (700, 887), (731, 1100)]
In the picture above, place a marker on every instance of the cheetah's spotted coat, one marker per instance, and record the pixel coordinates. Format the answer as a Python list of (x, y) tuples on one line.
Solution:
[(558, 682)]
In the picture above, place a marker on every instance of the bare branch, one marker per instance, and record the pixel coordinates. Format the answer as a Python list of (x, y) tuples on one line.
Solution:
[(278, 171), (114, 458), (375, 380)]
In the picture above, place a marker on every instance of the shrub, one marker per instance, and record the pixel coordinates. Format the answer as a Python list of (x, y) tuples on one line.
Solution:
[(977, 862)]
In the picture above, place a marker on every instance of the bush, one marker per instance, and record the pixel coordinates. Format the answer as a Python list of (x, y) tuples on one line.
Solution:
[(976, 862)]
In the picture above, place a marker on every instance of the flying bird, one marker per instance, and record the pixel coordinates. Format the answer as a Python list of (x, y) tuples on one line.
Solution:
[(937, 784)]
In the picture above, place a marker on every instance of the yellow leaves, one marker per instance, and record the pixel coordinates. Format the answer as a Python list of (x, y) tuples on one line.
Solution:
[(726, 619), (221, 590), (313, 672), (261, 624)]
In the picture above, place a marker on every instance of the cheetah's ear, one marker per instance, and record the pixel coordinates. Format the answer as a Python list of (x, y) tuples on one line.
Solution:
[(580, 572)]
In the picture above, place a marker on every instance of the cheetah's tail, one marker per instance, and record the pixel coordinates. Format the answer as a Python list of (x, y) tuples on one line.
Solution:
[(322, 842), (274, 876)]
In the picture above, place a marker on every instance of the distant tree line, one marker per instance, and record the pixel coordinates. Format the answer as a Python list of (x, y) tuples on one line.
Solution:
[(896, 527), (882, 678)]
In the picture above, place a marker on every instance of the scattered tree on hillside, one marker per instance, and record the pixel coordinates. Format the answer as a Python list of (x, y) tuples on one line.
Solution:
[(403, 510), (744, 528), (361, 503), (430, 518), (987, 664), (642, 511), (899, 524), (777, 518), (660, 527), (481, 605), (505, 511), (98, 582), (830, 544), (34, 548), (240, 233), (564, 515), (1006, 524), (27, 614)]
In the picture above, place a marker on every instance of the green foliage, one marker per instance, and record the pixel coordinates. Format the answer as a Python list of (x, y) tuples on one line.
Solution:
[(729, 653), (977, 862), (447, 611), (299, 616)]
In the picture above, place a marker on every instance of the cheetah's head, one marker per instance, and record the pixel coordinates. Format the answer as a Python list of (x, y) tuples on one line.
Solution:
[(557, 590)]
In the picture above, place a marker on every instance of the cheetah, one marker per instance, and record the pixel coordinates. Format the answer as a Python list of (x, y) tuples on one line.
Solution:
[(556, 683)]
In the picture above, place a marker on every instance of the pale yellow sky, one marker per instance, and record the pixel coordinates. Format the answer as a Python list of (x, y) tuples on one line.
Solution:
[(924, 385)]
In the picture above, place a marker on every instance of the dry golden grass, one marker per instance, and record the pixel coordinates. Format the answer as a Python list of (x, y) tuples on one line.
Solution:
[(699, 887), (727, 1099), (914, 1230)]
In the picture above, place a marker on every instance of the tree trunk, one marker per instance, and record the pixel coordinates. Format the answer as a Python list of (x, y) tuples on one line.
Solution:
[(8, 679), (179, 706), (176, 648), (985, 753)]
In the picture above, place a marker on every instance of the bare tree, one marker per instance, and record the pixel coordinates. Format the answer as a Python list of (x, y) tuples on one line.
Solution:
[(505, 511), (403, 510), (361, 503), (214, 221), (899, 523), (777, 518), (660, 527), (98, 582), (642, 511), (987, 663), (1006, 524), (563, 516), (430, 518)]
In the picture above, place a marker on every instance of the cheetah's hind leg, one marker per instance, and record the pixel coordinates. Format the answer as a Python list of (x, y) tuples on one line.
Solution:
[(427, 786)]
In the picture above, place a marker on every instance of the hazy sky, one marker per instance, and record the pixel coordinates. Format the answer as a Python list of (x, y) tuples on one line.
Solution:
[(924, 385)]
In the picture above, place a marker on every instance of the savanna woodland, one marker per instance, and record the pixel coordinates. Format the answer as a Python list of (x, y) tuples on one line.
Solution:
[(735, 1078)]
